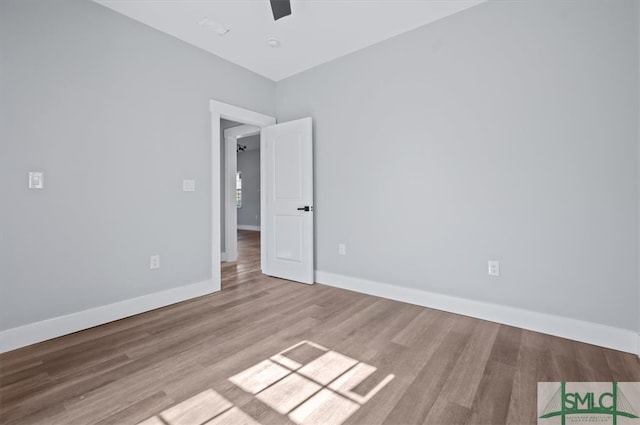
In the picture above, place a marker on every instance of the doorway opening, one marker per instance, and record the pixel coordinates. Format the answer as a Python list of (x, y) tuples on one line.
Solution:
[(241, 223), (228, 124), (241, 184), (286, 193)]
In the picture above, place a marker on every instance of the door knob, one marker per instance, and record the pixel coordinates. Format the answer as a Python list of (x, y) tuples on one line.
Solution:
[(305, 208)]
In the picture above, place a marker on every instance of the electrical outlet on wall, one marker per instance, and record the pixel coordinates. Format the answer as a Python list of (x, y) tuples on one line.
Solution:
[(342, 249), (154, 262), (494, 267)]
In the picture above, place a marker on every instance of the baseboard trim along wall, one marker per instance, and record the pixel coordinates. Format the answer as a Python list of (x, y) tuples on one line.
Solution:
[(578, 330), (32, 333), (565, 327), (248, 227)]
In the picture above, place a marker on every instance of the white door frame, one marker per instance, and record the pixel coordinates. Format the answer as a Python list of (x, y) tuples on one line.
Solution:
[(234, 113), (231, 136)]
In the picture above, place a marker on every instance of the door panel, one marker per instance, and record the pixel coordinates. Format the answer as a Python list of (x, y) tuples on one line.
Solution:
[(289, 173), (287, 231), (288, 179)]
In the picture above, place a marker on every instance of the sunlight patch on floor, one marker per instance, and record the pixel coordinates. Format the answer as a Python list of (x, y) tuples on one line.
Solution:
[(308, 383), (317, 387)]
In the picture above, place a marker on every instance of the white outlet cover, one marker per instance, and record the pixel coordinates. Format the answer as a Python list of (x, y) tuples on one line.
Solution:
[(36, 180), (493, 267), (188, 185), (154, 262)]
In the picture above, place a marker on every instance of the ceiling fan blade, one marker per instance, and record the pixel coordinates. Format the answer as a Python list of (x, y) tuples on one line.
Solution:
[(280, 8)]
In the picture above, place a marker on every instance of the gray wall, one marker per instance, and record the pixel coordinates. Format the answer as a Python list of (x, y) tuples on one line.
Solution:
[(116, 114), (507, 131), (249, 166), (638, 167)]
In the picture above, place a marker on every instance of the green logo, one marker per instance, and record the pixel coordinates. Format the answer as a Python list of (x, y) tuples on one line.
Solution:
[(583, 400)]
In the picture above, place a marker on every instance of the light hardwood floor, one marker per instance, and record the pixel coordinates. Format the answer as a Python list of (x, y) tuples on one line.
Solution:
[(443, 368)]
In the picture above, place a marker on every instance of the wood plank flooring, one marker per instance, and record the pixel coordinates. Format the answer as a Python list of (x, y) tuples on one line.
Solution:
[(440, 368)]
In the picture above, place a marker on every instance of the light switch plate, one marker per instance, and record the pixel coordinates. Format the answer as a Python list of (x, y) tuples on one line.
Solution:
[(188, 185), (36, 180), (154, 262)]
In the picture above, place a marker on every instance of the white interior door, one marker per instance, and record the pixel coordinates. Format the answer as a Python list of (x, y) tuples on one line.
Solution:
[(288, 169)]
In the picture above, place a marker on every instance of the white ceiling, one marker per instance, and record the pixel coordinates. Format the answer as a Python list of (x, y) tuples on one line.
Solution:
[(317, 31)]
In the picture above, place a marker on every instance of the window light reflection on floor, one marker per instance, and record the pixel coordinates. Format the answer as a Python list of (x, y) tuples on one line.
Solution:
[(307, 382)]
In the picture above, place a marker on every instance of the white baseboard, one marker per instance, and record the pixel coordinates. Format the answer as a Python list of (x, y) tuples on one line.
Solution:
[(565, 327), (248, 227), (21, 336)]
